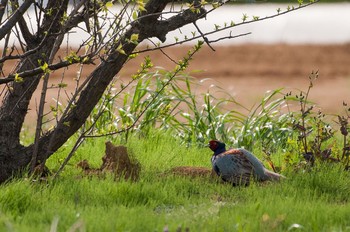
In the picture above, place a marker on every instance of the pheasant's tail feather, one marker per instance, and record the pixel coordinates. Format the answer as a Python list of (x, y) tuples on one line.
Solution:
[(273, 176)]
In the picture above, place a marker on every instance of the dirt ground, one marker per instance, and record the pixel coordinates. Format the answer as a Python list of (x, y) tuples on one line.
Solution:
[(248, 71)]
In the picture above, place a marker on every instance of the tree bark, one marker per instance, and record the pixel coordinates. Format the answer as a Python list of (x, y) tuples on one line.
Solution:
[(7, 27), (16, 101)]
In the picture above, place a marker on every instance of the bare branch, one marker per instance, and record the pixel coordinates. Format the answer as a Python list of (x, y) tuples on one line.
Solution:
[(161, 28), (36, 71), (227, 28), (3, 4), (203, 36), (228, 37), (28, 37), (6, 28), (4, 51), (262, 19), (27, 53), (164, 53)]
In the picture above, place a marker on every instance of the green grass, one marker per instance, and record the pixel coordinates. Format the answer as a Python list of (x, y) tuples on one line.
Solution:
[(173, 123), (317, 200)]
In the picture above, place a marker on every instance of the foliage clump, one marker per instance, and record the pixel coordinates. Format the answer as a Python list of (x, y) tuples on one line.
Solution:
[(316, 138)]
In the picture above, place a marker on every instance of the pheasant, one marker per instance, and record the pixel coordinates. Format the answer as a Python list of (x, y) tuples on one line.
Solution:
[(238, 166)]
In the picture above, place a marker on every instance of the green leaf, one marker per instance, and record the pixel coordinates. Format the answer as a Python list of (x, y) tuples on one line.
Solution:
[(244, 17), (134, 15), (132, 56), (86, 59), (45, 67), (109, 4), (203, 2), (18, 79), (62, 85), (141, 5), (134, 38), (120, 49), (215, 5)]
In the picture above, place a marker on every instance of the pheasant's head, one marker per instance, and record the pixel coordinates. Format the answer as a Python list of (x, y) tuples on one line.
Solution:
[(216, 146)]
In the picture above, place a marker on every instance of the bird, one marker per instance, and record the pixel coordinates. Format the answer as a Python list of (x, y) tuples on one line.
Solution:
[(239, 166)]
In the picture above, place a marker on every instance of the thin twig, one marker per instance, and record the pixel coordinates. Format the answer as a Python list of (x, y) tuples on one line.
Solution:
[(42, 103), (6, 27), (164, 53), (203, 36), (227, 27), (36, 71), (77, 144)]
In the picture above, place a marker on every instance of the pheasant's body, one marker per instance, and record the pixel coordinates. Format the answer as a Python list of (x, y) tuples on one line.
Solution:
[(239, 166)]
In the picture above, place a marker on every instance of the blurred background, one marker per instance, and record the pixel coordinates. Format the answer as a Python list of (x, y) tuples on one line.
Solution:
[(280, 52)]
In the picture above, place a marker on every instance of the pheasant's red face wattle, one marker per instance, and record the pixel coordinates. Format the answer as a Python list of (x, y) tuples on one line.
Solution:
[(213, 145)]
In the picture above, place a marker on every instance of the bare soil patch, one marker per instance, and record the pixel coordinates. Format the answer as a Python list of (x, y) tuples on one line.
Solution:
[(192, 171), (245, 71)]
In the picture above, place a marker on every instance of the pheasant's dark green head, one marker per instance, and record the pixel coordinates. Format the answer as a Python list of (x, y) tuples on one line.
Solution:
[(217, 147)]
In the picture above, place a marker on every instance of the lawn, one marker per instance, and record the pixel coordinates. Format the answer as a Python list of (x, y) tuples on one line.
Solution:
[(162, 135), (313, 197), (314, 200)]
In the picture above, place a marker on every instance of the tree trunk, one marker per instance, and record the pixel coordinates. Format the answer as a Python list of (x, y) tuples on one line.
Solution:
[(16, 101)]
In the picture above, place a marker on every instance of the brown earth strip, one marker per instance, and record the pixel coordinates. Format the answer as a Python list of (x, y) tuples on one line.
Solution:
[(246, 71)]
